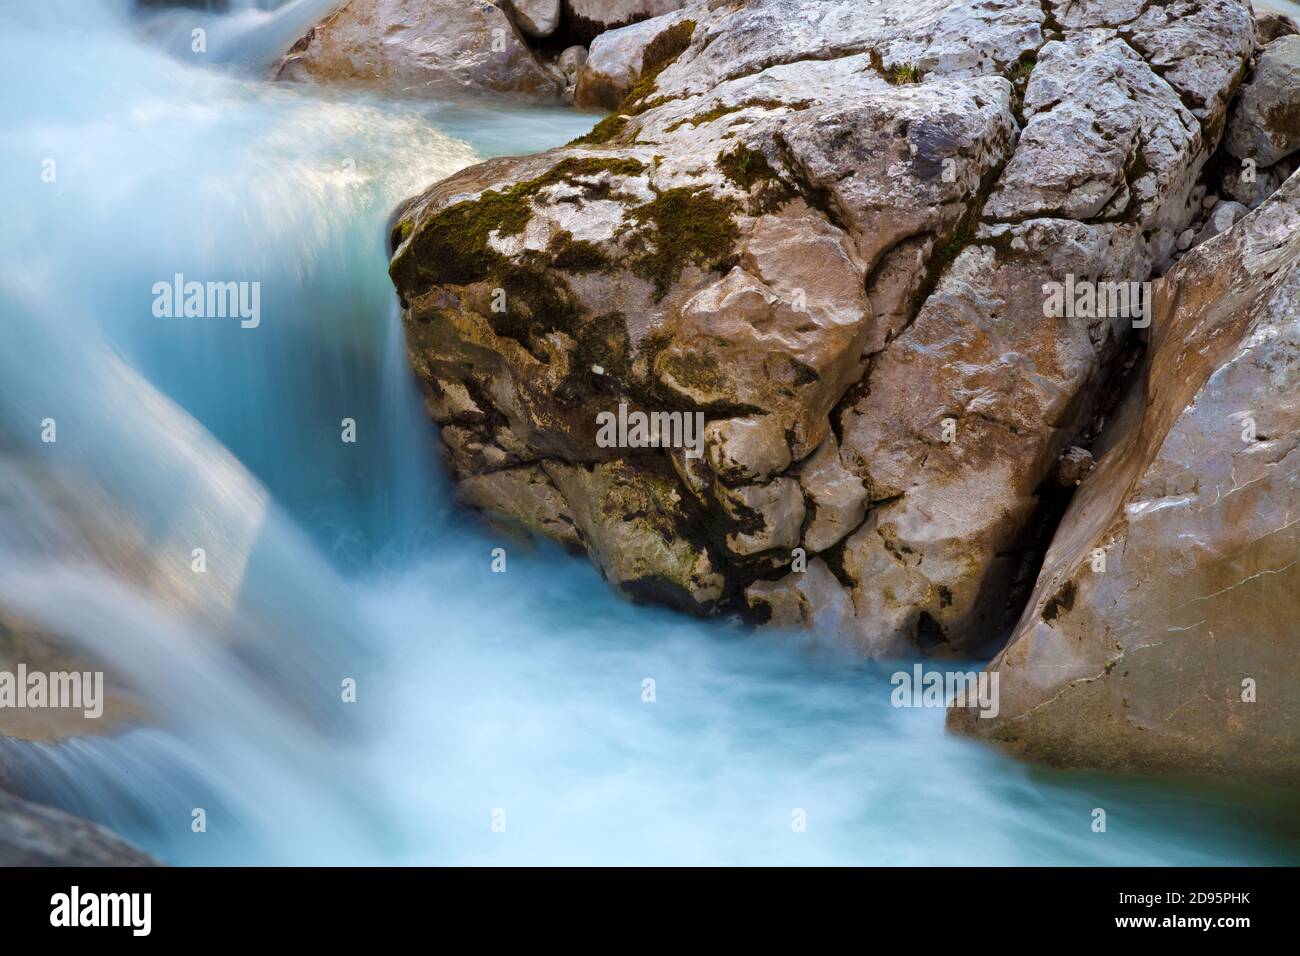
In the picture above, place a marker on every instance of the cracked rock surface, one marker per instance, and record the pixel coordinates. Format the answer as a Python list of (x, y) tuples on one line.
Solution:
[(827, 227), (1161, 633)]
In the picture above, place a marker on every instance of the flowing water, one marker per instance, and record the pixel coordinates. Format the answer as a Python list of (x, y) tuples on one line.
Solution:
[(482, 698)]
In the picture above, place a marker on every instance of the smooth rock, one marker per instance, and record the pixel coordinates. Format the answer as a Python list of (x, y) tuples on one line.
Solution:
[(615, 61), (421, 48), (571, 61), (1160, 634), (534, 18), (587, 19), (811, 599), (1224, 217)]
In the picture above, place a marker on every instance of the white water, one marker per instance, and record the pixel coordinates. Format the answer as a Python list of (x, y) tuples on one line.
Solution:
[(477, 691)]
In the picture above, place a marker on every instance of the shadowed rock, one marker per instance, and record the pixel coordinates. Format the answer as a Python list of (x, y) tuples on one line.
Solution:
[(1161, 633)]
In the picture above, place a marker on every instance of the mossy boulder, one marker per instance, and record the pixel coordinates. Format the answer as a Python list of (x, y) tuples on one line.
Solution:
[(825, 236)]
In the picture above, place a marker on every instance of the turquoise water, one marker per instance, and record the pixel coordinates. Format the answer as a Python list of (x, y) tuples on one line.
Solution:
[(481, 697)]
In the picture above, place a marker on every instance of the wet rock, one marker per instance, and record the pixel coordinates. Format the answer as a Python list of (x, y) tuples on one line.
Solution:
[(802, 600), (829, 232), (631, 520), (420, 48), (1159, 635), (1265, 124), (34, 835)]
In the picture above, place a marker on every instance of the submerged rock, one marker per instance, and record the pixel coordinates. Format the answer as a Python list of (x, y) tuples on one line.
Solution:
[(1161, 632), (828, 230), (33, 835), (420, 47)]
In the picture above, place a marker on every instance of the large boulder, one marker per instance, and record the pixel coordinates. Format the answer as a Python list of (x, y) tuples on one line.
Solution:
[(1161, 633), (420, 48), (827, 231), (33, 835), (1266, 122), (615, 61), (585, 20)]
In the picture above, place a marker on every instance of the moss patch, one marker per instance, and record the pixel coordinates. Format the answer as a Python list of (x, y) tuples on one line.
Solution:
[(681, 226), (749, 170), (604, 131), (744, 166), (576, 255), (452, 246), (659, 54)]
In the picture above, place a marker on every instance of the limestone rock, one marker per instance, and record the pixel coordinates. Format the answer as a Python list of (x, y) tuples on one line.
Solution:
[(838, 497), (586, 19), (828, 230), (812, 599), (1224, 216), (631, 521), (1160, 634), (1265, 124), (571, 61), (534, 18), (419, 48), (614, 63)]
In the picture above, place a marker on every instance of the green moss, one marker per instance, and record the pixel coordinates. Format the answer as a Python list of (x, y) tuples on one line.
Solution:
[(749, 170), (745, 166), (1019, 74), (452, 246), (708, 116), (604, 131), (659, 54), (681, 226), (576, 255)]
